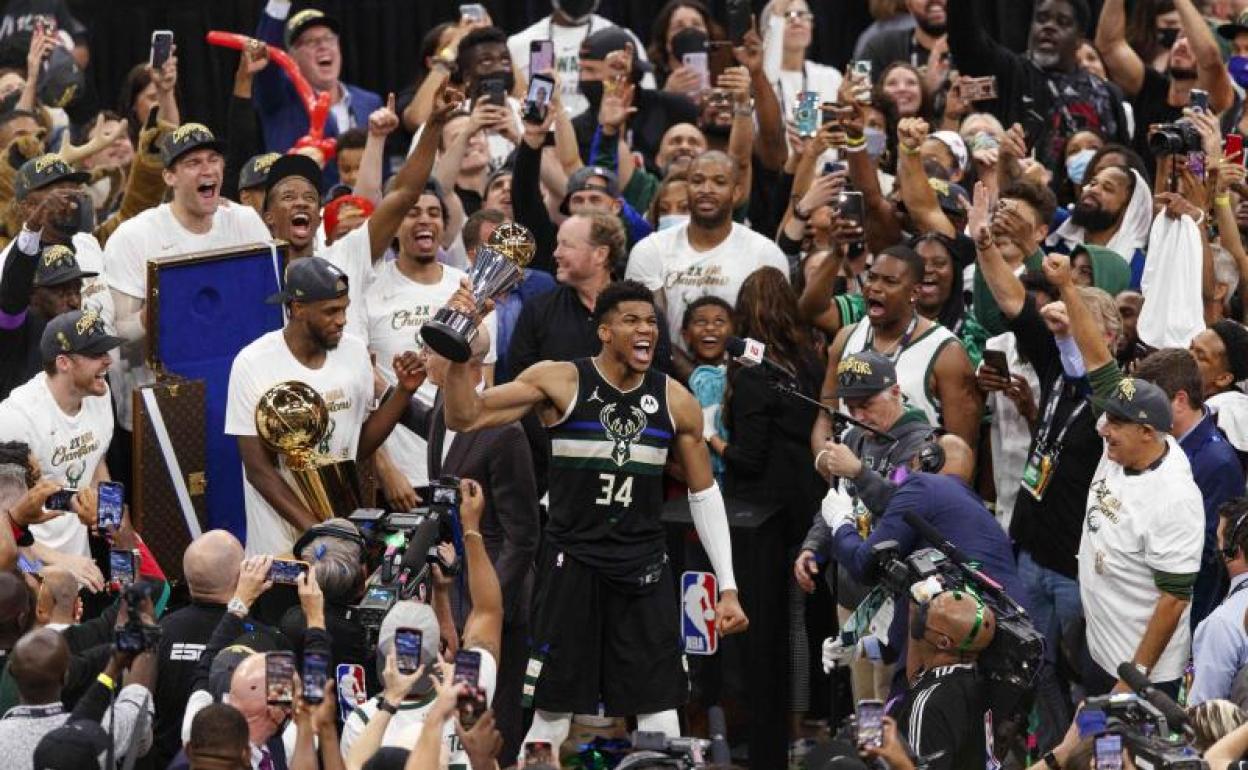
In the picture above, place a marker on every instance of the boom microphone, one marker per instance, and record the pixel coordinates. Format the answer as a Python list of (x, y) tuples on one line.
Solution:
[(749, 352), (1176, 718)]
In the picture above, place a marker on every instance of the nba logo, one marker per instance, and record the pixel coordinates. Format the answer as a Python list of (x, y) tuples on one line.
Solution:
[(352, 691), (699, 593)]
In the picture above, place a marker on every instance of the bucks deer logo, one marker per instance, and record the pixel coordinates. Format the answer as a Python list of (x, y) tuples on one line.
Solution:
[(622, 429)]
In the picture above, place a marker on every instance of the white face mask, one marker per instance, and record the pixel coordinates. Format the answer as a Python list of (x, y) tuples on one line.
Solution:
[(672, 220)]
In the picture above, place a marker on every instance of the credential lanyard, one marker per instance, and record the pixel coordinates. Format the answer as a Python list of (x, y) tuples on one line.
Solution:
[(1050, 410)]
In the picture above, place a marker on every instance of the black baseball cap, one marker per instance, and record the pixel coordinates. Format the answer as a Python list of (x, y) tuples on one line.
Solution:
[(256, 170), (76, 331), (863, 374), (37, 173), (950, 195), (305, 20), (311, 279), (293, 165), (606, 41), (78, 744), (1232, 28), (188, 137), (1137, 401), (58, 264), (582, 179)]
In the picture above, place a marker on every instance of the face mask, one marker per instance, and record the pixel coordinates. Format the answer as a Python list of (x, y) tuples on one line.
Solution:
[(578, 11), (1238, 68), (1077, 165), (1166, 37), (672, 220), (591, 90), (877, 141)]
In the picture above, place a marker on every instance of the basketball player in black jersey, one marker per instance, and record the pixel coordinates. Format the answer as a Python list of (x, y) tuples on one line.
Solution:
[(605, 622)]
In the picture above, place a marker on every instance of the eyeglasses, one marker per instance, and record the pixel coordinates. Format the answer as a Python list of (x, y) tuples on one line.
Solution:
[(798, 16)]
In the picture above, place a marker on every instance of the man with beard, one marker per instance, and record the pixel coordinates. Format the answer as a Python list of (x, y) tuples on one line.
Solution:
[(1044, 90), (312, 349), (913, 45), (679, 146), (567, 27), (1195, 62), (1111, 219), (602, 626), (311, 38), (710, 254)]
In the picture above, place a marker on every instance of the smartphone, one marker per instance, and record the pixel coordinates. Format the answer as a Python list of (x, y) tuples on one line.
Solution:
[(861, 70), (1233, 146), (537, 102), (1198, 100), (833, 166), (315, 674), (978, 89), (806, 114), (739, 19), (287, 571), (1108, 752), (850, 205), (474, 11), (870, 723), (123, 566), (493, 90), (996, 359), (470, 705), (538, 753), (162, 48), (541, 56), (112, 496), (279, 678), (61, 499), (407, 643), (699, 63)]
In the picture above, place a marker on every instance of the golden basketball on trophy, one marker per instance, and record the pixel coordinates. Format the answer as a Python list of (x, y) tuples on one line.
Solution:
[(499, 268), (291, 420)]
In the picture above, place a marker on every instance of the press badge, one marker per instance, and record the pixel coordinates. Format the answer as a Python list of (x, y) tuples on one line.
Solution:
[(1038, 473)]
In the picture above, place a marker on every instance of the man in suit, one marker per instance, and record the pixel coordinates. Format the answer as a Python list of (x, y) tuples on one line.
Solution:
[(500, 460)]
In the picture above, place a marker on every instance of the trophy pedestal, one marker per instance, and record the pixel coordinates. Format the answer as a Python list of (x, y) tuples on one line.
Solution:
[(450, 334)]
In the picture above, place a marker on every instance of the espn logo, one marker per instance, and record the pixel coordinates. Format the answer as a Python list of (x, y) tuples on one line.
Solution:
[(187, 652)]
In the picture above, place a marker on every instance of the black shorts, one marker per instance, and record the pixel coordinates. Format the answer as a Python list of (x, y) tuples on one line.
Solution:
[(592, 643)]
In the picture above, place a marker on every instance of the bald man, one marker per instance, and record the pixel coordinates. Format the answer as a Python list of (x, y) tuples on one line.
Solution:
[(249, 696), (57, 604), (210, 564)]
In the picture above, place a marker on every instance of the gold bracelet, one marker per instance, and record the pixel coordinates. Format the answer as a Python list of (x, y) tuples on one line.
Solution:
[(909, 151), (468, 532)]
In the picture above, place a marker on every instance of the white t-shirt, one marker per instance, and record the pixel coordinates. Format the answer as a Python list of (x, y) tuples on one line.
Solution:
[(1011, 435), (1231, 409), (345, 381), (665, 260), (69, 449), (353, 255), (1137, 524), (157, 233), (405, 726), (820, 78), (567, 42), (398, 307)]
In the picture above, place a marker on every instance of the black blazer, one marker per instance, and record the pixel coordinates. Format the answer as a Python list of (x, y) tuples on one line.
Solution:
[(499, 459)]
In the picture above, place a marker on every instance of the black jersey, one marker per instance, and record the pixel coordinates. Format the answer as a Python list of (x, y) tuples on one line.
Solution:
[(943, 714), (606, 472)]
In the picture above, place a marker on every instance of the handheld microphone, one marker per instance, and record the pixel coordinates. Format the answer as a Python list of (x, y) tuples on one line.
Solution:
[(1176, 718), (754, 353)]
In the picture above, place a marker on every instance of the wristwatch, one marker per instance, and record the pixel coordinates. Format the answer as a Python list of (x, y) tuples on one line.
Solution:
[(237, 607), (801, 216), (387, 706), (1050, 761)]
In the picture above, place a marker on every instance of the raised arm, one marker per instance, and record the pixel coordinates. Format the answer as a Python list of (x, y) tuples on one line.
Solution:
[(770, 143), (1211, 72), (1006, 289), (381, 123), (484, 627), (919, 197), (1122, 63), (1083, 328)]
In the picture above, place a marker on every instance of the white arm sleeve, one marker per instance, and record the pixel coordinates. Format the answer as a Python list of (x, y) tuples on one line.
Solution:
[(711, 521)]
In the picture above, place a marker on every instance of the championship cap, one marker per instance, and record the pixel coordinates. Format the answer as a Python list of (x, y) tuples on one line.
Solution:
[(256, 170), (583, 179), (49, 168), (305, 20), (950, 195), (310, 279), (863, 374), (77, 331), (1137, 401), (293, 165), (188, 137), (58, 264)]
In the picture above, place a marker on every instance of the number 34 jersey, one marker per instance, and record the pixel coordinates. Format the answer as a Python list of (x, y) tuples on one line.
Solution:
[(606, 471)]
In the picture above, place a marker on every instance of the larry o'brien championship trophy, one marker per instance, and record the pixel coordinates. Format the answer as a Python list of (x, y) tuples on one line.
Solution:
[(499, 268), (292, 419)]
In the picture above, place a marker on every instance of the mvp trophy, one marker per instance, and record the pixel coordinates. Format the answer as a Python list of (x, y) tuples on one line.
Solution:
[(291, 419), (499, 268)]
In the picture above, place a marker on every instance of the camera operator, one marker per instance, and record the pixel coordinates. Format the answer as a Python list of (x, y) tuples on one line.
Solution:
[(943, 714), (1220, 646)]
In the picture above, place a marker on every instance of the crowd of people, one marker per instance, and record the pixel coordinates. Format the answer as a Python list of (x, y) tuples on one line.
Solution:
[(997, 295)]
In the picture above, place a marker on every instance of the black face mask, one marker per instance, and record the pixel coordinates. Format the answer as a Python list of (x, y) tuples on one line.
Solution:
[(1166, 37), (591, 90), (576, 10)]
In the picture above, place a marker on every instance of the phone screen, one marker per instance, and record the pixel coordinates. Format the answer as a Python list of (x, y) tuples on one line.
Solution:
[(1233, 148), (699, 63), (807, 113), (60, 500), (537, 102), (279, 677), (287, 571), (470, 705), (870, 723), (121, 566), (996, 359), (850, 206), (315, 673), (493, 90), (538, 753), (162, 48), (407, 643), (541, 56), (474, 11), (1109, 752), (111, 500)]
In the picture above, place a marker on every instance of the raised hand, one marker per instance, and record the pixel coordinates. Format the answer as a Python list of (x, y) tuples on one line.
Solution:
[(912, 132), (383, 121)]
